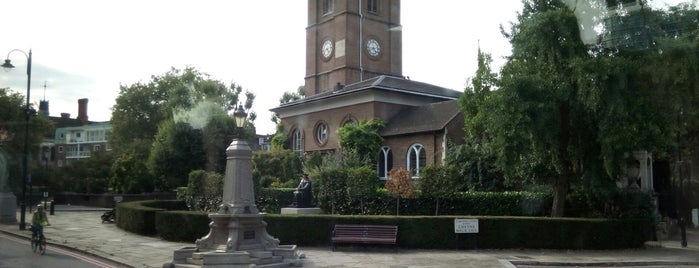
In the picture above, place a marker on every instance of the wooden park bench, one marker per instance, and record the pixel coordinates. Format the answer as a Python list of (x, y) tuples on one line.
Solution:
[(364, 234)]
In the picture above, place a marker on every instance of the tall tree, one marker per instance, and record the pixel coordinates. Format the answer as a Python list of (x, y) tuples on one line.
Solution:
[(12, 133), (177, 151)]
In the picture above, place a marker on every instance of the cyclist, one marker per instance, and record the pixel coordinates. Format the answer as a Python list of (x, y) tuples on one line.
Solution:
[(39, 220)]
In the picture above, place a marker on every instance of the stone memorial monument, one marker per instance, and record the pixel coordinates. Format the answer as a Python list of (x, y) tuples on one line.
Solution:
[(237, 233)]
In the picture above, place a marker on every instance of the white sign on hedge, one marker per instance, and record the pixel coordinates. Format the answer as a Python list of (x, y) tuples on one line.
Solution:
[(466, 226)]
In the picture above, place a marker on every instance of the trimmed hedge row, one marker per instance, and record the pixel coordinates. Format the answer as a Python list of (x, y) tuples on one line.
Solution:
[(139, 216), (427, 232), (271, 200), (494, 232)]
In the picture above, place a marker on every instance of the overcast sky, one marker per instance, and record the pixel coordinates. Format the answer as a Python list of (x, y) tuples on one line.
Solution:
[(87, 48)]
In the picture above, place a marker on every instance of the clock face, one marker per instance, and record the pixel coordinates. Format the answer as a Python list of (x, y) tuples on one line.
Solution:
[(373, 47), (327, 48)]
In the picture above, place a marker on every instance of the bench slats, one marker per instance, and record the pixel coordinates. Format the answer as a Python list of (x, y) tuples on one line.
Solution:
[(365, 234)]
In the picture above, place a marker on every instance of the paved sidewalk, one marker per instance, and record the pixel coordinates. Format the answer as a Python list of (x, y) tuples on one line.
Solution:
[(81, 228)]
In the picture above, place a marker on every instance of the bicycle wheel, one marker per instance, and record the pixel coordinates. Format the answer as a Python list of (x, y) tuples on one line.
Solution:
[(42, 245), (33, 242)]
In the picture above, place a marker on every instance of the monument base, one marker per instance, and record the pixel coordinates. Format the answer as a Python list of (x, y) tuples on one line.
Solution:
[(302, 211), (8, 208), (237, 240)]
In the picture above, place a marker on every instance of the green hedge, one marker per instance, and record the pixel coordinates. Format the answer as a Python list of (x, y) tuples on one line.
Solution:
[(427, 232), (494, 232), (139, 216), (190, 225)]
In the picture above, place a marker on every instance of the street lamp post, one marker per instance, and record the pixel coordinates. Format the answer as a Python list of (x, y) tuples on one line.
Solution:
[(25, 175)]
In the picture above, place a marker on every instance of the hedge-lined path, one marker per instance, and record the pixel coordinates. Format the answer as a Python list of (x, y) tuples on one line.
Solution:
[(81, 228)]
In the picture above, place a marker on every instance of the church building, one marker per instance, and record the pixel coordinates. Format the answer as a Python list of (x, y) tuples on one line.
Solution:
[(354, 73)]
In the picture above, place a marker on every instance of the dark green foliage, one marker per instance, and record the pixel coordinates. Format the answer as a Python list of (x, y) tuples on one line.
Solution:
[(362, 138), (204, 191), (130, 175), (139, 216), (12, 128), (615, 204), (272, 200), (440, 182), (177, 150), (362, 184), (190, 226), (494, 232), (329, 189), (275, 166)]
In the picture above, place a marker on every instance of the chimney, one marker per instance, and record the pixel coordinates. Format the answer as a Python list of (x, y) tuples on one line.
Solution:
[(82, 111), (44, 108)]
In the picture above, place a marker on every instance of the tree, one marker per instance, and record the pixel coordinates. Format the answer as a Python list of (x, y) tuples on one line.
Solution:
[(475, 159), (177, 150), (141, 107), (280, 138), (362, 183), (130, 175), (12, 129), (362, 138), (178, 97), (440, 182), (204, 190)]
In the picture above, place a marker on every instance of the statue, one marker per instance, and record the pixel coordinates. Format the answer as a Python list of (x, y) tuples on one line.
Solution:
[(303, 196)]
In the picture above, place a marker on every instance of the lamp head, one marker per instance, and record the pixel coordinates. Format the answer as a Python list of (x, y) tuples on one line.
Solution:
[(7, 65), (239, 115)]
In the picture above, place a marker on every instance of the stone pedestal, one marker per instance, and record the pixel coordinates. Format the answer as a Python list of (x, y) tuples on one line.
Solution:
[(302, 211), (8, 208), (237, 233)]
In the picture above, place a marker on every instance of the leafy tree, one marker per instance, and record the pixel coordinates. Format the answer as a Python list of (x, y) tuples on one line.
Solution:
[(475, 159), (12, 128), (178, 96), (130, 175), (362, 138), (362, 184), (440, 182), (280, 138), (204, 190), (141, 107), (279, 165), (177, 150), (566, 113)]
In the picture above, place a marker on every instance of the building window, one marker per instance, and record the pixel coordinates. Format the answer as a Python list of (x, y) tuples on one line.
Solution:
[(416, 159), (321, 133), (96, 148), (385, 162), (372, 6), (328, 6), (60, 149), (296, 140)]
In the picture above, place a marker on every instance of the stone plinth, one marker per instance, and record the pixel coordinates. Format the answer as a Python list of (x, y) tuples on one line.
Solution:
[(237, 233), (302, 211), (8, 208)]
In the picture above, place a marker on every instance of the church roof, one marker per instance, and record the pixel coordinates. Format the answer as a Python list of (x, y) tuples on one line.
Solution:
[(386, 83), (432, 117)]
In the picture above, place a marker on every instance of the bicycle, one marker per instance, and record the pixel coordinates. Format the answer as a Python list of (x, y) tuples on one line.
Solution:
[(38, 243)]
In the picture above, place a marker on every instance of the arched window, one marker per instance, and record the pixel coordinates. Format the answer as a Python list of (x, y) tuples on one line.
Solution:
[(296, 140), (416, 159), (385, 162)]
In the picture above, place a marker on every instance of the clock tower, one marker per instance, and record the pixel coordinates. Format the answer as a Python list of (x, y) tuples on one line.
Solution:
[(348, 41)]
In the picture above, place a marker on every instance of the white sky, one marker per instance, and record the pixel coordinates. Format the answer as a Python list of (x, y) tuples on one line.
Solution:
[(87, 48)]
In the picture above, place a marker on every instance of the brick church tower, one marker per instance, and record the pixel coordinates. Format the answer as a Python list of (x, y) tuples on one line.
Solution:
[(349, 41)]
